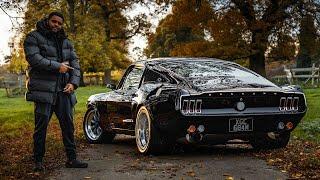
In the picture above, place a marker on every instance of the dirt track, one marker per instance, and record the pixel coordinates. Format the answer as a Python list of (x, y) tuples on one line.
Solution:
[(121, 161)]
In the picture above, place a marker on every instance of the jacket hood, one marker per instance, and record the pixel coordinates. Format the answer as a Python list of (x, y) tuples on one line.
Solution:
[(42, 27)]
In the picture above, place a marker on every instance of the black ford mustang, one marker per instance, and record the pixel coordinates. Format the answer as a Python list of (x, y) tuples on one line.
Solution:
[(194, 100)]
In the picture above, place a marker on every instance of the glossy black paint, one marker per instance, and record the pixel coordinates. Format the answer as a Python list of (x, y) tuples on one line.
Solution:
[(162, 91)]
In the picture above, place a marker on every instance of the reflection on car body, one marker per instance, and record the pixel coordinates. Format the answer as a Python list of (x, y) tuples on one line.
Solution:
[(194, 100)]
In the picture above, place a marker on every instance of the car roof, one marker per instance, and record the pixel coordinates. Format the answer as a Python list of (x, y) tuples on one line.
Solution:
[(152, 61)]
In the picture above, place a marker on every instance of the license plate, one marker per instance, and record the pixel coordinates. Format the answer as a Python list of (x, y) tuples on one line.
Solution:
[(240, 124)]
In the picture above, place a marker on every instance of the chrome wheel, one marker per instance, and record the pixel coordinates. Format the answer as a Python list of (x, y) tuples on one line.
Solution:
[(142, 130), (91, 125)]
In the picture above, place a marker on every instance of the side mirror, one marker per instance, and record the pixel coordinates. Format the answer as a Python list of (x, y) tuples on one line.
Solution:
[(111, 86)]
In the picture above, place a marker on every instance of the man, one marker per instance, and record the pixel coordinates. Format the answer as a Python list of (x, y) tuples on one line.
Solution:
[(54, 73)]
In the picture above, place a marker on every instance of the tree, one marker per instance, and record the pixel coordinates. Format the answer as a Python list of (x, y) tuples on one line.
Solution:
[(283, 49), (18, 63), (85, 26), (253, 26), (307, 40), (175, 32), (118, 28)]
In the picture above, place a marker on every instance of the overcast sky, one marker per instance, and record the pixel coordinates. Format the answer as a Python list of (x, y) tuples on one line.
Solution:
[(6, 33)]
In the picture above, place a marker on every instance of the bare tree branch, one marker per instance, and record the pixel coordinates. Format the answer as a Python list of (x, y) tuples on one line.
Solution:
[(135, 32), (12, 18)]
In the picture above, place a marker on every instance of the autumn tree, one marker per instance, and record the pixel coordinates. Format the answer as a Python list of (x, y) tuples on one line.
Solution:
[(118, 28), (308, 41), (181, 29), (98, 48), (247, 29)]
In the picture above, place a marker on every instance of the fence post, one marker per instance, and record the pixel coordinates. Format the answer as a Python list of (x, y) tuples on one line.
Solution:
[(7, 87), (318, 75), (288, 74), (313, 73)]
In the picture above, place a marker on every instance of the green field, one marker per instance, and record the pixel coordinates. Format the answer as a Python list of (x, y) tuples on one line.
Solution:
[(16, 113), (309, 128)]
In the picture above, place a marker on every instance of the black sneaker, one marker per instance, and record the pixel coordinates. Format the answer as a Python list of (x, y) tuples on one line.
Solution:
[(76, 164), (38, 167)]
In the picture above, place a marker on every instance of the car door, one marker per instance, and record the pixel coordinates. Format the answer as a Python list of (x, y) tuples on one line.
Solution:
[(127, 88)]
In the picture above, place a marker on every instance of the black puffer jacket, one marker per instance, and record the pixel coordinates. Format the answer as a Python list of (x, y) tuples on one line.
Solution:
[(44, 58)]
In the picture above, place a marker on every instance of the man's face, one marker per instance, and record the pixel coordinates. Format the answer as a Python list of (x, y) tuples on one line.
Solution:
[(55, 23)]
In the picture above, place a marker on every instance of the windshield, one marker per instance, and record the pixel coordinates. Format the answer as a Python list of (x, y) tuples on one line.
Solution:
[(207, 75)]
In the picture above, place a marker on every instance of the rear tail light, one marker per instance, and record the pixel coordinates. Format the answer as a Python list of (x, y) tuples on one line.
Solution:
[(289, 104), (282, 105), (191, 106), (295, 103), (198, 106), (185, 106)]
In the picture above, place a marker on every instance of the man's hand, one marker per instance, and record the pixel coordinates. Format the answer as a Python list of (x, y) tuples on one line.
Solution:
[(63, 68), (69, 88)]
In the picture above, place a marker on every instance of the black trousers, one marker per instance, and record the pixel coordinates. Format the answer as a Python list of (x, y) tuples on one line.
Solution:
[(64, 112)]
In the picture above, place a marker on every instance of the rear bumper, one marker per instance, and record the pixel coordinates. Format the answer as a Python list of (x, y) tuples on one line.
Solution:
[(219, 127)]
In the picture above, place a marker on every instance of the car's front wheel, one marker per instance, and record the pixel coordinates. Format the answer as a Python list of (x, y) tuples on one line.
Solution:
[(266, 142), (92, 130), (148, 138)]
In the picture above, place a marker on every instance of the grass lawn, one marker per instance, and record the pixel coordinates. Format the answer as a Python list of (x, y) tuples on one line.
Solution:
[(309, 128), (16, 113)]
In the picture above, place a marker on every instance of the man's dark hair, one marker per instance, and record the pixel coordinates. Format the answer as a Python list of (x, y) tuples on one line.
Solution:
[(55, 13)]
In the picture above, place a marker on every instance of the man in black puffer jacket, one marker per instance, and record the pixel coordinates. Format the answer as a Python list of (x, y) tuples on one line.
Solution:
[(54, 73)]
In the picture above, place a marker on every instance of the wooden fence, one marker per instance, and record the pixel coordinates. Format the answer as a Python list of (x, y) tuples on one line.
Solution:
[(303, 74), (99, 79), (93, 79)]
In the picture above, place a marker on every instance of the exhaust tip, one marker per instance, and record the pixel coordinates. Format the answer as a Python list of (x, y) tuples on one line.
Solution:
[(201, 128), (191, 129), (289, 125), (281, 126)]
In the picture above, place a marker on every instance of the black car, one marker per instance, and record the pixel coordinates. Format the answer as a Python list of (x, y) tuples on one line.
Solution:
[(196, 101)]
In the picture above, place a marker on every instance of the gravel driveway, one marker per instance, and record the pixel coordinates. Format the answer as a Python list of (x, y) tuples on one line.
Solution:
[(120, 161)]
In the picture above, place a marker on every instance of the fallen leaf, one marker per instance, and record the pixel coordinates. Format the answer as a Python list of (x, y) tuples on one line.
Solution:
[(270, 161), (296, 175), (191, 173), (229, 178)]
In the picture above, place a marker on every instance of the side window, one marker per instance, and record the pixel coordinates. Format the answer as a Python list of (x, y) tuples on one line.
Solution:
[(132, 80), (151, 76)]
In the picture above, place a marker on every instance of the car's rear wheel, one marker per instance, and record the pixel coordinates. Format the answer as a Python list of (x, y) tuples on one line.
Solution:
[(266, 142), (92, 130), (148, 138)]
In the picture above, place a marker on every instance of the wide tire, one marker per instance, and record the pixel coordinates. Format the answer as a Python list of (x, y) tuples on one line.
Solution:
[(266, 142), (92, 130), (149, 140)]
